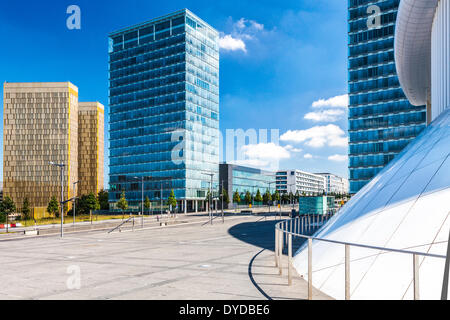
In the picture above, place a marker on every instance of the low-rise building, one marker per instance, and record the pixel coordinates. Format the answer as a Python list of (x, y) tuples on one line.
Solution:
[(335, 184), (304, 183), (242, 179)]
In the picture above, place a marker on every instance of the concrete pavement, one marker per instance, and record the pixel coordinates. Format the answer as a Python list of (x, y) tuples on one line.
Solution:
[(195, 261)]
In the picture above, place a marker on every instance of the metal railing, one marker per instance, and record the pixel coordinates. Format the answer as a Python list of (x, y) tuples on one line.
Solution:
[(120, 225), (286, 230)]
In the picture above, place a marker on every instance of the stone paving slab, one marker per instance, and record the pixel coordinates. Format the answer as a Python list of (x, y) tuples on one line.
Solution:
[(224, 261)]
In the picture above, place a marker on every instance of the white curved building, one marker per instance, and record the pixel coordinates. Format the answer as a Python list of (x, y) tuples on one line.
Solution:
[(406, 206)]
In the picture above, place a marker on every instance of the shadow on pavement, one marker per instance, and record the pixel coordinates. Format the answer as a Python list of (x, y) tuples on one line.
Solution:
[(260, 234)]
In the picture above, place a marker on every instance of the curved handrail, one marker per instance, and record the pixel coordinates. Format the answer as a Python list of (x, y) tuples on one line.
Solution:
[(352, 244), (282, 228)]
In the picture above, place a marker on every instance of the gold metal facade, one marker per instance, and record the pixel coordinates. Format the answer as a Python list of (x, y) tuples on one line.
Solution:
[(90, 144), (40, 125)]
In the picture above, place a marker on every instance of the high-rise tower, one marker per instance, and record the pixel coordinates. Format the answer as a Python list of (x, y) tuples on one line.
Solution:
[(381, 120), (164, 110)]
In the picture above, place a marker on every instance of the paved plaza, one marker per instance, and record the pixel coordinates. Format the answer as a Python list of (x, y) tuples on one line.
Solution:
[(226, 261)]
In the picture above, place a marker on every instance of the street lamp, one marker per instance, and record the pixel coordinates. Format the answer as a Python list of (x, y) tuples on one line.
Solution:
[(61, 166), (210, 194), (74, 202), (269, 183), (222, 195), (161, 197), (142, 203)]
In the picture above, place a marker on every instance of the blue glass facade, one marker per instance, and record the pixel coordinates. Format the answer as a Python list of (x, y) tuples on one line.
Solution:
[(243, 179), (316, 205), (381, 120), (164, 108)]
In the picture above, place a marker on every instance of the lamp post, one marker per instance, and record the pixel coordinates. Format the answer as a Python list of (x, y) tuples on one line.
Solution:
[(269, 183), (210, 194), (290, 185), (161, 197), (74, 202), (142, 202), (221, 192), (61, 166)]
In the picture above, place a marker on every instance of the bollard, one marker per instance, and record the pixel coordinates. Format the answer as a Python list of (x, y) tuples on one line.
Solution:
[(347, 272), (309, 224), (280, 253), (309, 269), (276, 247), (290, 260), (285, 233), (416, 276), (303, 225)]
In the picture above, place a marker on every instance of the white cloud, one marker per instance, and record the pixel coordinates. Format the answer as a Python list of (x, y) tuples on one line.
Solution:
[(265, 151), (241, 31), (318, 136), (292, 149), (338, 142), (334, 102), (240, 23), (338, 158), (331, 115), (232, 44), (308, 156), (256, 25)]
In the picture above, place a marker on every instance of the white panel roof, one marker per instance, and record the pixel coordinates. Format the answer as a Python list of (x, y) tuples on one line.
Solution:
[(407, 207), (413, 48)]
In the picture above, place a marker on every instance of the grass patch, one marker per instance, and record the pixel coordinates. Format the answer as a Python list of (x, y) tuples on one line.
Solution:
[(69, 219)]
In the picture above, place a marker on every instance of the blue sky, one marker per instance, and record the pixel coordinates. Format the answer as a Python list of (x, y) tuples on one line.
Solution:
[(283, 65)]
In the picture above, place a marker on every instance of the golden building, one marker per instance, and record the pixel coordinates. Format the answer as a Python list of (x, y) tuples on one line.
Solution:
[(90, 147), (40, 125)]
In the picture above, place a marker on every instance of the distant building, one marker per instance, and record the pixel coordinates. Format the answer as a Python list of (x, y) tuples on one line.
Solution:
[(243, 179), (41, 125), (90, 145), (335, 184), (300, 181)]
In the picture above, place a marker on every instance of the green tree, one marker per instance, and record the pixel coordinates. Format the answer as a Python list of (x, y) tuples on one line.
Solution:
[(297, 195), (147, 203), (208, 195), (122, 204), (285, 197), (26, 210), (267, 197), (248, 197), (53, 207), (258, 197), (103, 199), (172, 201), (87, 203), (236, 197), (276, 196), (7, 207), (291, 197), (226, 198)]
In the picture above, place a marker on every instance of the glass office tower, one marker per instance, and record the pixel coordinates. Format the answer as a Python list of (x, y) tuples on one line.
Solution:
[(381, 120), (164, 110)]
